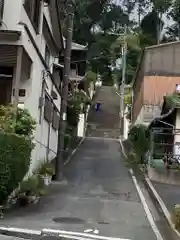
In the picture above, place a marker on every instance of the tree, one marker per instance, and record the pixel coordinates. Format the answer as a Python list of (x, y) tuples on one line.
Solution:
[(142, 6), (88, 13), (174, 29), (160, 7), (113, 19), (149, 26), (99, 23), (136, 42)]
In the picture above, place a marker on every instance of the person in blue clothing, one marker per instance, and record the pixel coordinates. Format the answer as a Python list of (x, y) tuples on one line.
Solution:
[(98, 104)]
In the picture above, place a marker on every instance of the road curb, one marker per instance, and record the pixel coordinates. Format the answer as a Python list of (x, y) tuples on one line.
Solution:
[(143, 200), (77, 235), (74, 151), (122, 148), (19, 232), (154, 194), (61, 234)]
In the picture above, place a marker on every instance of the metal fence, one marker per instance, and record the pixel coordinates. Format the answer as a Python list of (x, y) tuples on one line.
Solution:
[(165, 143)]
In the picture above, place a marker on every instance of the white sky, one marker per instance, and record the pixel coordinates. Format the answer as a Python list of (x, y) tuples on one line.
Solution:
[(134, 15)]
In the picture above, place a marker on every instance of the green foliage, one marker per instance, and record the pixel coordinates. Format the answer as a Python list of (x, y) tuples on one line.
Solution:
[(140, 143), (77, 104), (173, 100), (174, 29), (100, 23), (128, 98), (7, 115), (15, 158), (19, 122), (47, 168), (88, 13), (135, 43), (114, 19), (25, 124), (68, 137), (149, 26), (161, 6), (132, 159), (30, 185), (91, 76)]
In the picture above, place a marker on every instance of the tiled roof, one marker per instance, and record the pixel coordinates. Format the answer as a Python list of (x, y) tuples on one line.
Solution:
[(156, 87)]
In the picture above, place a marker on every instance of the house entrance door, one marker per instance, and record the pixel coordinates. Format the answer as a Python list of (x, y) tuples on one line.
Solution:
[(5, 90)]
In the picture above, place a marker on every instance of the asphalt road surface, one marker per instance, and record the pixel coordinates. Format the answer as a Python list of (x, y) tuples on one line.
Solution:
[(100, 197)]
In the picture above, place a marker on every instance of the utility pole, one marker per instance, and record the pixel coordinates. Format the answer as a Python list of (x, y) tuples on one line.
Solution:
[(64, 95), (124, 55)]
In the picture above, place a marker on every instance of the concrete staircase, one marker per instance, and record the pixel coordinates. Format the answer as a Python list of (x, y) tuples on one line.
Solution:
[(106, 122)]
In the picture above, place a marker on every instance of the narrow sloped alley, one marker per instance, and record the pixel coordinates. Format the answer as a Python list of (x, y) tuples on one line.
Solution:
[(105, 123), (100, 197)]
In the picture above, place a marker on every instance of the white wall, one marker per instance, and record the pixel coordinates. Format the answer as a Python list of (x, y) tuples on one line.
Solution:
[(14, 13), (147, 114), (48, 17), (140, 117), (177, 136), (126, 125), (81, 125)]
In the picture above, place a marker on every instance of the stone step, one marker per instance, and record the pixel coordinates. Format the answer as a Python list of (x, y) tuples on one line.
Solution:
[(103, 132)]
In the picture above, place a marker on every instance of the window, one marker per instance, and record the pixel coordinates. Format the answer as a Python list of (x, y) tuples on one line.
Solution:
[(56, 76), (32, 8), (56, 117), (48, 109), (1, 9), (47, 56)]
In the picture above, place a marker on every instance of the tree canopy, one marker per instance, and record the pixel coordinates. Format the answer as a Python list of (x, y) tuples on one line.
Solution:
[(100, 25)]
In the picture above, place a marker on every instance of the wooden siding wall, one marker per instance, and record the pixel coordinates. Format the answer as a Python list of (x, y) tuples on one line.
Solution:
[(138, 101), (163, 61)]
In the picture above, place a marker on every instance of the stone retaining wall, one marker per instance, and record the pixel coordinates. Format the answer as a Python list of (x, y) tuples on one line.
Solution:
[(164, 176)]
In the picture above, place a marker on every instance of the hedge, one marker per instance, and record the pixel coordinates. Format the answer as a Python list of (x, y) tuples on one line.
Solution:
[(15, 158), (140, 143)]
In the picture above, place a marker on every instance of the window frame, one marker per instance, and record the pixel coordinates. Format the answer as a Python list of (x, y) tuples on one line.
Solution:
[(33, 10), (48, 106), (56, 116), (47, 50)]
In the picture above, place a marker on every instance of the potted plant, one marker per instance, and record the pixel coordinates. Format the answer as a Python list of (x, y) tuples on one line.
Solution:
[(46, 172), (28, 191)]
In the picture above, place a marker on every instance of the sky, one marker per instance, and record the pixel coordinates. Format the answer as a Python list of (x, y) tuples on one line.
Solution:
[(134, 15)]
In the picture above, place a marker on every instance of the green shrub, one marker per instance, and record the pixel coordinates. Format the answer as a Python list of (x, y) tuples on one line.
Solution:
[(15, 158), (91, 76), (132, 159), (30, 185), (25, 124), (140, 141), (176, 217), (7, 115), (47, 168), (19, 122)]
